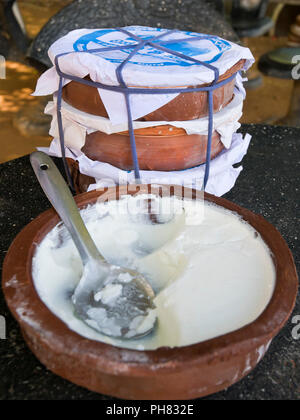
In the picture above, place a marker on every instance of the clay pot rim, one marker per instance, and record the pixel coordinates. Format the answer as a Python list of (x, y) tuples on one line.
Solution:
[(156, 136), (152, 136), (17, 267), (167, 125)]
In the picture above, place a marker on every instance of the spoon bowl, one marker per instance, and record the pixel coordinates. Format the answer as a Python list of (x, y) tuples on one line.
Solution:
[(114, 301)]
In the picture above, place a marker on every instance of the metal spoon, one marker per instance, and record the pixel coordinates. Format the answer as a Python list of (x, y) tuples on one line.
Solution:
[(115, 301)]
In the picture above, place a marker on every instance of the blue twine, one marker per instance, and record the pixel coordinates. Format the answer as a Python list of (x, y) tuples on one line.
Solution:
[(128, 91)]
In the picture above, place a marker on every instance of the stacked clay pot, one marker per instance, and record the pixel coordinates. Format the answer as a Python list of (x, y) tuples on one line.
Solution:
[(159, 148)]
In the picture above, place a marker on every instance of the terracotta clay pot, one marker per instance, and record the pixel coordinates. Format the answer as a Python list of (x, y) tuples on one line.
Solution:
[(164, 374), (186, 106), (81, 182), (156, 152)]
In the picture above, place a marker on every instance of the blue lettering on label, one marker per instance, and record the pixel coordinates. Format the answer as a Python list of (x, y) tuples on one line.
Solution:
[(215, 47)]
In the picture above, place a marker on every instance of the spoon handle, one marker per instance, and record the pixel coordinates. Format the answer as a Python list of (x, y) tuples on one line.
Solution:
[(62, 200)]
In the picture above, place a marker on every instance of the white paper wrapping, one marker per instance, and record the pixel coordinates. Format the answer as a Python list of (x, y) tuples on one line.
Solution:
[(77, 123), (222, 173), (149, 68)]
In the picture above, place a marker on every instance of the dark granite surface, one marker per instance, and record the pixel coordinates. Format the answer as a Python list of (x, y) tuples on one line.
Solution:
[(268, 185)]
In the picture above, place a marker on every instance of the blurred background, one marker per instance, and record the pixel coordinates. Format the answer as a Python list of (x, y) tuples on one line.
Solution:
[(271, 29)]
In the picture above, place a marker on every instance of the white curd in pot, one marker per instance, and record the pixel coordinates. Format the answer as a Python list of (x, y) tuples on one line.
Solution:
[(211, 271)]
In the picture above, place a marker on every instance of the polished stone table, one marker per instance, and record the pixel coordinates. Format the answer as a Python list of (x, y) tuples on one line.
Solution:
[(269, 185)]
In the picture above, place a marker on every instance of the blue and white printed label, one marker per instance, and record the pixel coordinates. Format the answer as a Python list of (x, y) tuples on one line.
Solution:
[(209, 49)]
